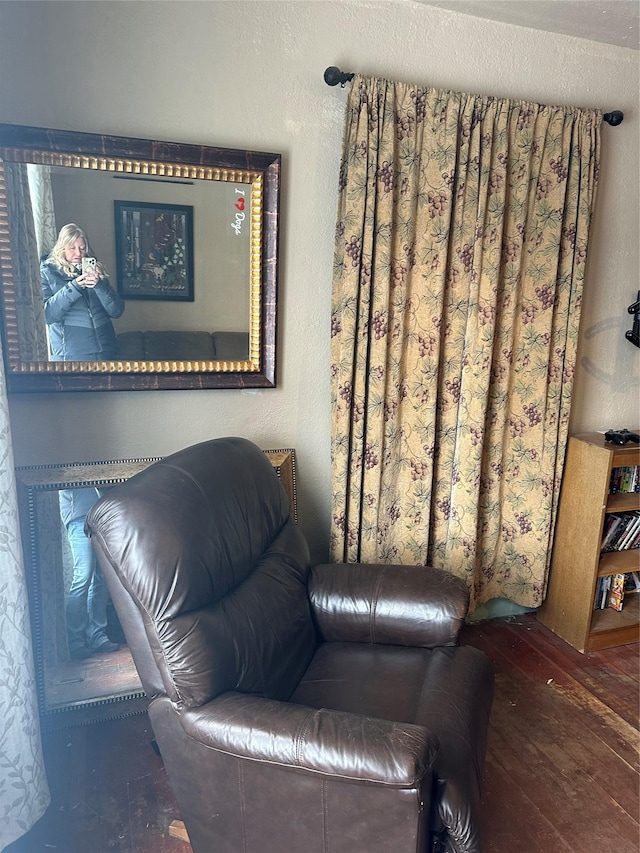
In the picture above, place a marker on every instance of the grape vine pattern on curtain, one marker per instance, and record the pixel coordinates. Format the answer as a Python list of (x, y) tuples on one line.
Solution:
[(461, 243)]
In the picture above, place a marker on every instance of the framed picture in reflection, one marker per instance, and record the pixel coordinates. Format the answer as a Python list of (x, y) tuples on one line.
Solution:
[(154, 250)]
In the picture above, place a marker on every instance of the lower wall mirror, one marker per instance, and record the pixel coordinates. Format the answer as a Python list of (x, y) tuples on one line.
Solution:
[(84, 670)]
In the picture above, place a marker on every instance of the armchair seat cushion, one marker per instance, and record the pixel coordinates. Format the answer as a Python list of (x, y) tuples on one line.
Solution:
[(446, 690)]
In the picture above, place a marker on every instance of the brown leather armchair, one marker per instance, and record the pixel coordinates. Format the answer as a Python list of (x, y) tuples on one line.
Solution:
[(298, 708)]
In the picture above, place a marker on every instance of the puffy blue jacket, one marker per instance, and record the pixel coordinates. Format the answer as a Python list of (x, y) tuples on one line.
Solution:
[(79, 318)]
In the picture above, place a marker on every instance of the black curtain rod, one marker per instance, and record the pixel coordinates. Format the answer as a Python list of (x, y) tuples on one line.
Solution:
[(333, 76)]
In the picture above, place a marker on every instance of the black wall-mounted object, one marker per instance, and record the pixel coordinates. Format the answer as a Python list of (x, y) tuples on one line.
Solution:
[(633, 334)]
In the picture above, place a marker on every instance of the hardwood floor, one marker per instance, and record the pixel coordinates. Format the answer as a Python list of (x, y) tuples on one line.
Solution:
[(562, 770), (99, 676), (561, 773)]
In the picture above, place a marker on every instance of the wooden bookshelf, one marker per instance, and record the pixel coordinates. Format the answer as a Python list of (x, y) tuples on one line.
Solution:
[(577, 562)]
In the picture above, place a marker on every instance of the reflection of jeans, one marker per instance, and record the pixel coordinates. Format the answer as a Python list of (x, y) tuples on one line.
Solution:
[(88, 595)]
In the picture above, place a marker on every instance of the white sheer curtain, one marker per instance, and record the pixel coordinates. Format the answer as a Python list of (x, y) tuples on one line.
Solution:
[(24, 794), (44, 217)]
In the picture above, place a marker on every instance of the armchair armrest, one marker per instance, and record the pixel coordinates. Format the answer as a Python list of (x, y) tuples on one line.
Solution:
[(346, 747), (397, 605)]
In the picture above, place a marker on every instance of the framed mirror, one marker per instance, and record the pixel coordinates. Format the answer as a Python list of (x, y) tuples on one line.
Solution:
[(187, 236), (78, 689)]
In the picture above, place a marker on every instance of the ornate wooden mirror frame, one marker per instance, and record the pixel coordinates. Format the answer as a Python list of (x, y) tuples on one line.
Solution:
[(146, 162)]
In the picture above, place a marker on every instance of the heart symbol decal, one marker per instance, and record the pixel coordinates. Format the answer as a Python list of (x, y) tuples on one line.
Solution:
[(240, 204)]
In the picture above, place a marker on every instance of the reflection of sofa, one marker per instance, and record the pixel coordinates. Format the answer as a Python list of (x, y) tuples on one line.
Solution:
[(183, 346)]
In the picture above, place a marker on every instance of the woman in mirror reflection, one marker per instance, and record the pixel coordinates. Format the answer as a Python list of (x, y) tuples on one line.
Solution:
[(78, 307)]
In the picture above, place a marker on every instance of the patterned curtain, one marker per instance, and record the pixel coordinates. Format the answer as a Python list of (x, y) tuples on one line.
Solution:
[(26, 269), (24, 794), (461, 243)]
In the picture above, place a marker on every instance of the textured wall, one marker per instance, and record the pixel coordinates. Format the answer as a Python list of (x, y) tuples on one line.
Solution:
[(249, 74)]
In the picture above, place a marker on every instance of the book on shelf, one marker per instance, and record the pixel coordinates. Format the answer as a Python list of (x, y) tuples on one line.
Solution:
[(631, 534), (635, 543), (621, 531), (615, 596), (632, 582), (625, 479), (611, 590), (611, 524), (602, 592)]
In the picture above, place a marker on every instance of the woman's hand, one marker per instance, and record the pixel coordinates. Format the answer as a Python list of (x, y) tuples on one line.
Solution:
[(88, 279)]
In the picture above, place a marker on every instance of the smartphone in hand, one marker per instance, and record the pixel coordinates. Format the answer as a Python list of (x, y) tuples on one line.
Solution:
[(88, 265)]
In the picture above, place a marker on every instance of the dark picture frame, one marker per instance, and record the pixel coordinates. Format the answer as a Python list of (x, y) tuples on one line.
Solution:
[(154, 251)]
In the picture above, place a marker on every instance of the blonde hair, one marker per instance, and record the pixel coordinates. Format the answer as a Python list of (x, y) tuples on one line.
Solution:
[(69, 234)]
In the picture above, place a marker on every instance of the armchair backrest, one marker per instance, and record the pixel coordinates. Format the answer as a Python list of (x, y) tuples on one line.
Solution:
[(208, 573)]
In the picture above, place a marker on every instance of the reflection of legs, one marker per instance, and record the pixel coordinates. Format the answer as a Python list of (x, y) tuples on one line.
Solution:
[(77, 599), (97, 608), (88, 595)]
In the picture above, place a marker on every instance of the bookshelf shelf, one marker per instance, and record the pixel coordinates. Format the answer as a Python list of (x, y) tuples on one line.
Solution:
[(618, 561), (622, 502), (577, 562), (609, 623)]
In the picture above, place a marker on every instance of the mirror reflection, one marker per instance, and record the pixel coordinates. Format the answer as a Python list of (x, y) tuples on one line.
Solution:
[(84, 654), (80, 650), (188, 249), (83, 668), (91, 200)]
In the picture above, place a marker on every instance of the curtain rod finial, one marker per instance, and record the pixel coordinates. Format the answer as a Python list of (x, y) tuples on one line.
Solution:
[(614, 118), (333, 76)]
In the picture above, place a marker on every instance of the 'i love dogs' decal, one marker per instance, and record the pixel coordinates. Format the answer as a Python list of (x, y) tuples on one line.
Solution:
[(240, 214)]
